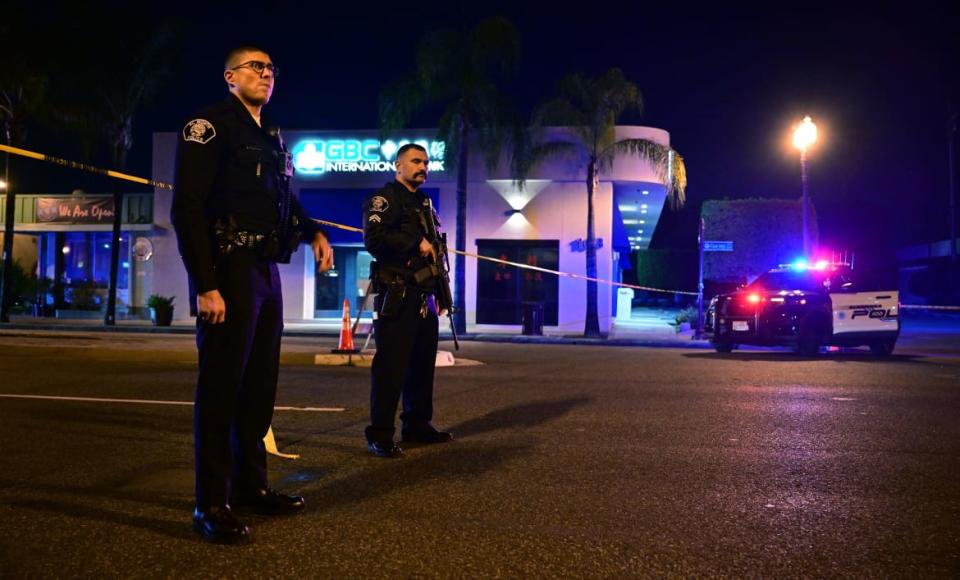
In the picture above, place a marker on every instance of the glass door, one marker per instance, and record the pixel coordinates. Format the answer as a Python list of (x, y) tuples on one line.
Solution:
[(347, 280)]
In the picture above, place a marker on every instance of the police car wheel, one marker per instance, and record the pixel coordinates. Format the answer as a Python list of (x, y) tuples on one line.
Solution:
[(882, 347), (809, 341), (723, 346)]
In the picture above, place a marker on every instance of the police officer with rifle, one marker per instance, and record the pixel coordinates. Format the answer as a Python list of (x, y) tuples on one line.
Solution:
[(412, 286), (235, 219)]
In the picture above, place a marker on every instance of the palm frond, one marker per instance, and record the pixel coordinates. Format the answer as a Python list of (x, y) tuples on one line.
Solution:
[(398, 102), (558, 112), (441, 60), (448, 131), (617, 95), (677, 189), (495, 45), (668, 164), (533, 154)]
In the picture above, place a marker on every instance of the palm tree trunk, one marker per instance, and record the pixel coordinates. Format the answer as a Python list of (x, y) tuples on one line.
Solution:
[(592, 325), (119, 160), (460, 263), (6, 283)]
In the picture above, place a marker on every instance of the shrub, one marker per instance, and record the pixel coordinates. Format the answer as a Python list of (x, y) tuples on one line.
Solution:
[(159, 302)]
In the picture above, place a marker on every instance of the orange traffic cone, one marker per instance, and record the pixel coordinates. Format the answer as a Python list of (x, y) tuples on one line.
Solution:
[(346, 333)]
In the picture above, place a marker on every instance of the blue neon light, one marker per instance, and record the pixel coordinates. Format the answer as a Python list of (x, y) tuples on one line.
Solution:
[(320, 156), (802, 264)]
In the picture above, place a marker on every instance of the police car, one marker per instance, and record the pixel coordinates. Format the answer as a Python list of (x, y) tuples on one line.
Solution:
[(806, 306)]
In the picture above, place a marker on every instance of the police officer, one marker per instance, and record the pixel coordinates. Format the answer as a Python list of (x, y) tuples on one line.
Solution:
[(235, 218), (406, 318)]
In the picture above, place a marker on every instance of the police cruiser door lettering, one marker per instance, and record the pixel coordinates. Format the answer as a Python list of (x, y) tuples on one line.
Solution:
[(864, 312)]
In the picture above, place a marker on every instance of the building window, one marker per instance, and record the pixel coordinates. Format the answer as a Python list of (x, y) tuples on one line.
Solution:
[(349, 279), (502, 290)]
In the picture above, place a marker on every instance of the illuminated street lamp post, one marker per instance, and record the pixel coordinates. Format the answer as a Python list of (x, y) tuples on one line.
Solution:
[(804, 136)]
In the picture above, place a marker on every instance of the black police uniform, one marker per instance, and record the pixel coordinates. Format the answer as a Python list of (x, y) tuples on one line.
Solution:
[(231, 188), (406, 330)]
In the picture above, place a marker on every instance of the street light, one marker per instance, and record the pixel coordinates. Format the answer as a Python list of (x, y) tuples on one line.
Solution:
[(3, 184), (804, 136)]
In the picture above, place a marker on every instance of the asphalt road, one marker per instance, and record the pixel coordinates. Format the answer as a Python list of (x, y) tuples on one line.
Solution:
[(570, 461)]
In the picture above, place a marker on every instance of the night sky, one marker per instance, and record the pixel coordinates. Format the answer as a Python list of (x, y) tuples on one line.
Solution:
[(728, 82)]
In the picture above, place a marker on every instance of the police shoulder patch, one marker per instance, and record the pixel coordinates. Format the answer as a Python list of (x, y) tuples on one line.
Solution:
[(379, 204), (374, 218), (199, 131)]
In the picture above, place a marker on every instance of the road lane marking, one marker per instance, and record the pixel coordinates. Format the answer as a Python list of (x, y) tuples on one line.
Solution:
[(151, 402)]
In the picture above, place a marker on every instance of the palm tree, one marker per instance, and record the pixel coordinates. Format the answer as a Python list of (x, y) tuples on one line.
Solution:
[(137, 82), (458, 70), (129, 64), (589, 109), (23, 88)]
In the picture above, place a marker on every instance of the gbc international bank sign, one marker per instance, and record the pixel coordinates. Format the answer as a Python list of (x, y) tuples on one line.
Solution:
[(318, 157)]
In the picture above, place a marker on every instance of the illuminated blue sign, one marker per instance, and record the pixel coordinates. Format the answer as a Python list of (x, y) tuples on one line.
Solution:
[(580, 245), (321, 156)]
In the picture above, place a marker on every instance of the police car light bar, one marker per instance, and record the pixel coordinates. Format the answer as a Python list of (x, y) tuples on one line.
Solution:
[(803, 264)]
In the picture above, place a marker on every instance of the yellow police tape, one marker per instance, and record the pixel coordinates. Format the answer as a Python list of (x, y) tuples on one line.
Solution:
[(162, 185), (528, 266), (83, 166)]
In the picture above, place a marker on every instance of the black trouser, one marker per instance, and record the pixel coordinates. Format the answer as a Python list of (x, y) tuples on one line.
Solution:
[(404, 364), (239, 363)]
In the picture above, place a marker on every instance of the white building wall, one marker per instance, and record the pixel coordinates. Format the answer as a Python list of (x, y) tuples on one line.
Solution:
[(557, 211)]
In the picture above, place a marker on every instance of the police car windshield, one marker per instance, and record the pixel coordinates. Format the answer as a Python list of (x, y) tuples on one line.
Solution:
[(790, 280)]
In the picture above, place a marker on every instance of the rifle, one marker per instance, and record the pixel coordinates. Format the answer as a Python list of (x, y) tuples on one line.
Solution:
[(441, 268)]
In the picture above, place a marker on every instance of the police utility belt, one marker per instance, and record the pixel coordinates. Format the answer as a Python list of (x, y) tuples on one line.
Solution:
[(422, 277), (268, 246), (394, 283)]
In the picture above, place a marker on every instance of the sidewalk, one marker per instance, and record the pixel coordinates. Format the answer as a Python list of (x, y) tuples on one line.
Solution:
[(648, 327)]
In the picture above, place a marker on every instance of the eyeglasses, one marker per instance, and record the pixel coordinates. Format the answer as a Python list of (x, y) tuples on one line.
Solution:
[(258, 67)]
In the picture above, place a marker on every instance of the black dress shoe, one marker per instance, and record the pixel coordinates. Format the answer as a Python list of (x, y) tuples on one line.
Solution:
[(429, 435), (218, 524), (268, 502), (384, 449)]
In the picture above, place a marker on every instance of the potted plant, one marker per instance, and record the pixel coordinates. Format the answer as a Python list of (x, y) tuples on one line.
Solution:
[(161, 309), (685, 319)]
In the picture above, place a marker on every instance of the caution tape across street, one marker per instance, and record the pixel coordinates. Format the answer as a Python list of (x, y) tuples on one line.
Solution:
[(528, 266), (83, 167), (162, 185)]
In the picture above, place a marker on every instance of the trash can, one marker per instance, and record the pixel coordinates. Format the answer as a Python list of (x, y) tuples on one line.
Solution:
[(624, 303), (531, 318)]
